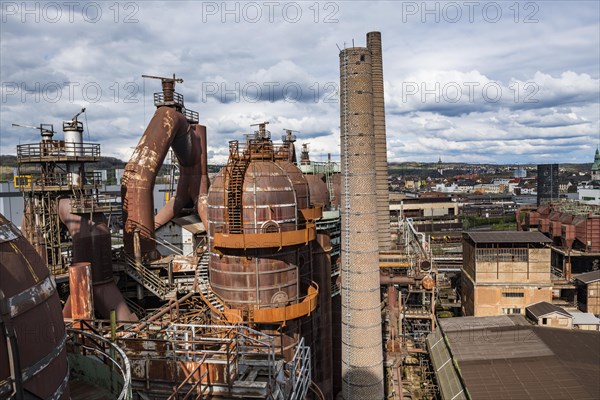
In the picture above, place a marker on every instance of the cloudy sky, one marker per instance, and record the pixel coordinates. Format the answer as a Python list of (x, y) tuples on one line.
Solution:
[(493, 81)]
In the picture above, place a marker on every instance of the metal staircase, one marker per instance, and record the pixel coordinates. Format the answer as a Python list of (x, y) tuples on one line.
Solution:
[(234, 196), (234, 182), (149, 279), (204, 290)]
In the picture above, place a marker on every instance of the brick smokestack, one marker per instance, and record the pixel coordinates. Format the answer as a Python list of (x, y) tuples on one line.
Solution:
[(362, 355), (381, 166)]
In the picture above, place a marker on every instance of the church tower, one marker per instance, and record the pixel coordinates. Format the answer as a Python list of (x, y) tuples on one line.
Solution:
[(596, 166)]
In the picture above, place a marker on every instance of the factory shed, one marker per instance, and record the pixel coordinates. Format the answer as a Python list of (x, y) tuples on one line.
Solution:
[(547, 314), (507, 237), (505, 357), (589, 277), (586, 321), (588, 291)]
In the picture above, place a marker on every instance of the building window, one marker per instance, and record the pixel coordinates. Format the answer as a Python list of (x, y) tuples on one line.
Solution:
[(544, 321), (501, 255), (513, 294), (509, 311)]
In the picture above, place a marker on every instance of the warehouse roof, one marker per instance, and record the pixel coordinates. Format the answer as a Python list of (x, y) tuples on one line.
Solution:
[(542, 308), (581, 318), (589, 277), (507, 358), (508, 237)]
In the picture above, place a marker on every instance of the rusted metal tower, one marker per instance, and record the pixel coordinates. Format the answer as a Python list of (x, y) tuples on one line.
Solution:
[(49, 171)]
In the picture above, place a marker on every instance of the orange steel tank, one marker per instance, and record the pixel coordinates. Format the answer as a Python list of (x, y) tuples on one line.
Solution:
[(32, 343), (261, 229), (273, 194)]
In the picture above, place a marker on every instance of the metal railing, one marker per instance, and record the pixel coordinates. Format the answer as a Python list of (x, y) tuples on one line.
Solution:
[(194, 387), (57, 150), (147, 278), (159, 99), (96, 203), (191, 116), (65, 180), (103, 351), (300, 372)]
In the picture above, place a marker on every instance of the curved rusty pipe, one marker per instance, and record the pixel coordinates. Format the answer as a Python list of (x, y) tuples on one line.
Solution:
[(193, 179), (167, 127), (92, 243)]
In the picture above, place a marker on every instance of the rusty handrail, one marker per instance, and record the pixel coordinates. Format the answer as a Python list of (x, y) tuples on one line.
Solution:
[(106, 352), (266, 240), (196, 386), (279, 312)]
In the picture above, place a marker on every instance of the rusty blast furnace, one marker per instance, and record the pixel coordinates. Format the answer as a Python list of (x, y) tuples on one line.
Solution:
[(262, 234)]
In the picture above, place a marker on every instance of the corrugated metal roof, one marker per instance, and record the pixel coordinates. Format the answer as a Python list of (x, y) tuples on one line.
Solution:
[(581, 318), (508, 237), (447, 376), (511, 360), (588, 277), (544, 308)]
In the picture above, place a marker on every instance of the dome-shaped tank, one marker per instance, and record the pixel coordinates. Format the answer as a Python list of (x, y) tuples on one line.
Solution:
[(273, 193), (32, 317)]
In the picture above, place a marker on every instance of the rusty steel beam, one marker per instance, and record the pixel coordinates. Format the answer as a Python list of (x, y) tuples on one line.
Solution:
[(165, 309)]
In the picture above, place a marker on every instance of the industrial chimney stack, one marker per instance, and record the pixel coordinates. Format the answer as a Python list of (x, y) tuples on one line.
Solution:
[(362, 356), (381, 167)]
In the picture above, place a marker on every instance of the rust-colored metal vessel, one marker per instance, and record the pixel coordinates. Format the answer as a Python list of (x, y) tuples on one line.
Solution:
[(92, 243), (261, 226), (33, 359)]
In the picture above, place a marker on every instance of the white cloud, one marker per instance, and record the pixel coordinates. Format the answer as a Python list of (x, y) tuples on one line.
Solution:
[(554, 61)]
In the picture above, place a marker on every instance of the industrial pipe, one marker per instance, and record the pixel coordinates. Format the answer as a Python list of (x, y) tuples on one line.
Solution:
[(81, 291), (92, 243), (168, 128), (323, 365), (189, 150), (391, 280)]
